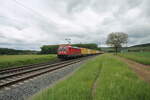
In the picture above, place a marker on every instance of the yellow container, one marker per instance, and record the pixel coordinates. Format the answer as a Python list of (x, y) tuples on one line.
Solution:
[(88, 51), (84, 51), (94, 52)]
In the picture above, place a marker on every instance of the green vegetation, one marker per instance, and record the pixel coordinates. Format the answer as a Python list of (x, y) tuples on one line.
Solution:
[(108, 49), (118, 82), (138, 49), (141, 57), (52, 49), (77, 87), (4, 51), (49, 49), (114, 81), (18, 60)]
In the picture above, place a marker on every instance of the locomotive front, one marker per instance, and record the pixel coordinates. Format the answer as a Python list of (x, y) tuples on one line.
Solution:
[(62, 51)]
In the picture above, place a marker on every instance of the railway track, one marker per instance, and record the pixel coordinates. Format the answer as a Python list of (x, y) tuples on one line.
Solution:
[(12, 69), (12, 76)]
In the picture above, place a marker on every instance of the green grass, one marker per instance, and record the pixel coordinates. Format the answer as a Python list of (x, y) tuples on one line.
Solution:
[(77, 87), (141, 57), (18, 60), (115, 82), (118, 82)]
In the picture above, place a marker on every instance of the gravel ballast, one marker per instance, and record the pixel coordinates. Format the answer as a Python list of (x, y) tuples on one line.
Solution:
[(24, 90)]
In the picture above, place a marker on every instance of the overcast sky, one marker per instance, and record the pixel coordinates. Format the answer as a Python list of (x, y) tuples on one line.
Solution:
[(29, 24)]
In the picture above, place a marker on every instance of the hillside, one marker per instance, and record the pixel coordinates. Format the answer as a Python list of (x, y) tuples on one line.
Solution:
[(140, 47), (134, 48)]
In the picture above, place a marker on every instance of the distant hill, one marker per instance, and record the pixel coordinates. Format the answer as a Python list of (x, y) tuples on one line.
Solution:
[(142, 45), (134, 48), (107, 49), (8, 51)]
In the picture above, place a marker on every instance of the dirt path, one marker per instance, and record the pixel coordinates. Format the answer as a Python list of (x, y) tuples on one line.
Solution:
[(94, 86), (143, 71)]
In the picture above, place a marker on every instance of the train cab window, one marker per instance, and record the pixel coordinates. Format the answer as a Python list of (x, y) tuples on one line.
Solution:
[(62, 49)]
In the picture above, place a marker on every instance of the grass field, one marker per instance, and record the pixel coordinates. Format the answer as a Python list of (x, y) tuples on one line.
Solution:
[(102, 78), (141, 57), (18, 60)]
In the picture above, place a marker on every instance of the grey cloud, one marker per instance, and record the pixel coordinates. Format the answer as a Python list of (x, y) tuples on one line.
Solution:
[(108, 20), (134, 3), (145, 8), (12, 22), (37, 22), (77, 5)]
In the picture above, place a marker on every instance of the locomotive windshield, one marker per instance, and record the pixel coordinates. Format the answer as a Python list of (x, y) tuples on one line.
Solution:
[(62, 49)]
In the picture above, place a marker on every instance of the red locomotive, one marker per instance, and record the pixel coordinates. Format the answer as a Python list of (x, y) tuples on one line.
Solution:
[(68, 51)]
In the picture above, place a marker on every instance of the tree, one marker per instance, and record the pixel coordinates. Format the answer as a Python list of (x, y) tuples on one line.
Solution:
[(117, 40), (49, 49)]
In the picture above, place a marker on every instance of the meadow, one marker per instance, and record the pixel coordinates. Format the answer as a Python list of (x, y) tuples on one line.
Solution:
[(102, 78), (141, 57), (19, 60)]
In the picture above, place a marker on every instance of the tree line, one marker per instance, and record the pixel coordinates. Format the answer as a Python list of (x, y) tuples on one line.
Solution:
[(4, 51)]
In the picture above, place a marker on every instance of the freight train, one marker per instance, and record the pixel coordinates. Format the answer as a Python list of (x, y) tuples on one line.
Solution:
[(68, 52)]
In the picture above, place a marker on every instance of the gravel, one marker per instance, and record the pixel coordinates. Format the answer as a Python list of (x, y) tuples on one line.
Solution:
[(24, 90)]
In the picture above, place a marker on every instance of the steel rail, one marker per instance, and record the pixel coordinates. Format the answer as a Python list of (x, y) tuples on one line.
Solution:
[(31, 70), (26, 67), (37, 72)]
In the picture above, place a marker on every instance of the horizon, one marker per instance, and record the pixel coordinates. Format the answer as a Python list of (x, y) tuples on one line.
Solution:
[(59, 44)]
